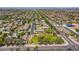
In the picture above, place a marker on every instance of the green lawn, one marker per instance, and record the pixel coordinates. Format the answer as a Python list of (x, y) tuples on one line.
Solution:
[(46, 39), (35, 39)]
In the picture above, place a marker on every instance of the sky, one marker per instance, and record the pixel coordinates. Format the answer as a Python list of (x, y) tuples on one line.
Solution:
[(39, 3)]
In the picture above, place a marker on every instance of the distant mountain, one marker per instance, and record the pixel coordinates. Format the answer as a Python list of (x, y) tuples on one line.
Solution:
[(53, 8)]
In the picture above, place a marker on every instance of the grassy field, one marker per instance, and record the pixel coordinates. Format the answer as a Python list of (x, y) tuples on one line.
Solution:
[(46, 39)]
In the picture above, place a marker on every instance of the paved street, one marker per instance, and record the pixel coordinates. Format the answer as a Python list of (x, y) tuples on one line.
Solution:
[(72, 45)]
